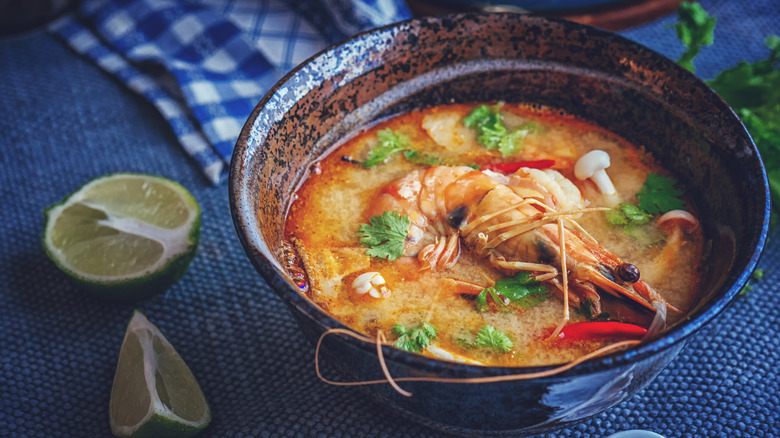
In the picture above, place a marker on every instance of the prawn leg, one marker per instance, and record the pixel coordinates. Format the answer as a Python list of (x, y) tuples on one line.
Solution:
[(640, 292), (519, 222), (443, 254)]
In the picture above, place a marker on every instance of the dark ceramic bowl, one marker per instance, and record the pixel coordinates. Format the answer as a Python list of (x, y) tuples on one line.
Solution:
[(592, 74)]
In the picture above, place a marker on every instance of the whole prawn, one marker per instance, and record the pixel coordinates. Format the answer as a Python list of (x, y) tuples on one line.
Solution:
[(524, 221)]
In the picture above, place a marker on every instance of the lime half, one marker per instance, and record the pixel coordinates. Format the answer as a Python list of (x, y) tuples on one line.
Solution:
[(154, 392), (124, 235)]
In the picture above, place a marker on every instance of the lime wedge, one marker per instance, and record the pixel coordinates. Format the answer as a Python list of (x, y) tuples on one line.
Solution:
[(154, 392), (124, 235)]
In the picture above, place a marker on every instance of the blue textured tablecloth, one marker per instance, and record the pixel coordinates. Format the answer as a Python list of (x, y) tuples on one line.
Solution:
[(63, 121), (206, 63)]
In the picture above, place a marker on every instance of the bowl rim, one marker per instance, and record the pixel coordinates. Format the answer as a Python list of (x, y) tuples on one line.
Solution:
[(261, 258)]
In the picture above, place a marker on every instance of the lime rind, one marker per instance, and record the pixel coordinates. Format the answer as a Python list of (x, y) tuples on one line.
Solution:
[(145, 347), (157, 277), (159, 426)]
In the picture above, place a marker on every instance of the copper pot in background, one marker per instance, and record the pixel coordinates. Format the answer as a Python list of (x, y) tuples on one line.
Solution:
[(612, 15)]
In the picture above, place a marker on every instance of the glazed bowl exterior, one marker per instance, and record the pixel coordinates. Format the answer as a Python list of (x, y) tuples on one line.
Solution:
[(582, 71)]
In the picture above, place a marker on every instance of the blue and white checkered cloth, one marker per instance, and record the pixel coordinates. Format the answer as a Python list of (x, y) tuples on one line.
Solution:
[(206, 63)]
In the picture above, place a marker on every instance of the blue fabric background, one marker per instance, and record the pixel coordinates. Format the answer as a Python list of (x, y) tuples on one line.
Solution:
[(206, 63), (63, 122)]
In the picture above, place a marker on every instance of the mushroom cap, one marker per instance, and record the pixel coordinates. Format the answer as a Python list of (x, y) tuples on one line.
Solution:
[(677, 218), (591, 163)]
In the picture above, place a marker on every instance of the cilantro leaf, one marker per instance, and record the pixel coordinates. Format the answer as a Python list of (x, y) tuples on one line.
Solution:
[(390, 142), (478, 116), (635, 214), (631, 218), (418, 158), (756, 276), (464, 342), (520, 290), (753, 91), (742, 87), (493, 134), (414, 339), (491, 131), (515, 141), (586, 309), (695, 30), (489, 337), (752, 85), (385, 235), (482, 304), (616, 216), (658, 195), (627, 214), (766, 136)]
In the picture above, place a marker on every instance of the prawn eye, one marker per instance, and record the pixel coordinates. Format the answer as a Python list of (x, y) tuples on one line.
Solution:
[(457, 216), (546, 252), (628, 272)]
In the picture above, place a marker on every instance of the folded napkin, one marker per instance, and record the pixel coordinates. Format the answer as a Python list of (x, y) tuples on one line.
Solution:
[(205, 64)]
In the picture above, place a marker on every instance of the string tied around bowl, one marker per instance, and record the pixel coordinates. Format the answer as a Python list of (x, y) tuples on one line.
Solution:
[(381, 340)]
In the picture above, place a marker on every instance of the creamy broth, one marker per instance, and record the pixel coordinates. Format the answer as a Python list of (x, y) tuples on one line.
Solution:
[(340, 194)]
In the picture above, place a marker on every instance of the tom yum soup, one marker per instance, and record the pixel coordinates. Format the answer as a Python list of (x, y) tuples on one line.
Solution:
[(495, 234)]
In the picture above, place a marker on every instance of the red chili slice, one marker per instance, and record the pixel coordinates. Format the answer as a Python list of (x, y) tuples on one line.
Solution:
[(513, 167), (600, 330)]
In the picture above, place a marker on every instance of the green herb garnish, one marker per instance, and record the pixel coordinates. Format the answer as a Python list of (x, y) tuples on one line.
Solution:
[(520, 290), (752, 85), (482, 304), (627, 214), (481, 116), (751, 89), (514, 142), (695, 30), (385, 235), (634, 220), (756, 276), (586, 309), (414, 340), (489, 337), (464, 343), (658, 195), (419, 158), (492, 133), (519, 287), (390, 143)]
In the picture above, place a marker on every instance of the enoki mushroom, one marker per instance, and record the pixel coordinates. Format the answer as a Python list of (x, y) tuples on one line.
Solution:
[(381, 340)]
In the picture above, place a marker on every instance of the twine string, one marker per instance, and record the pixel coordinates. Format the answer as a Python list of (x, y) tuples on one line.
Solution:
[(393, 381)]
